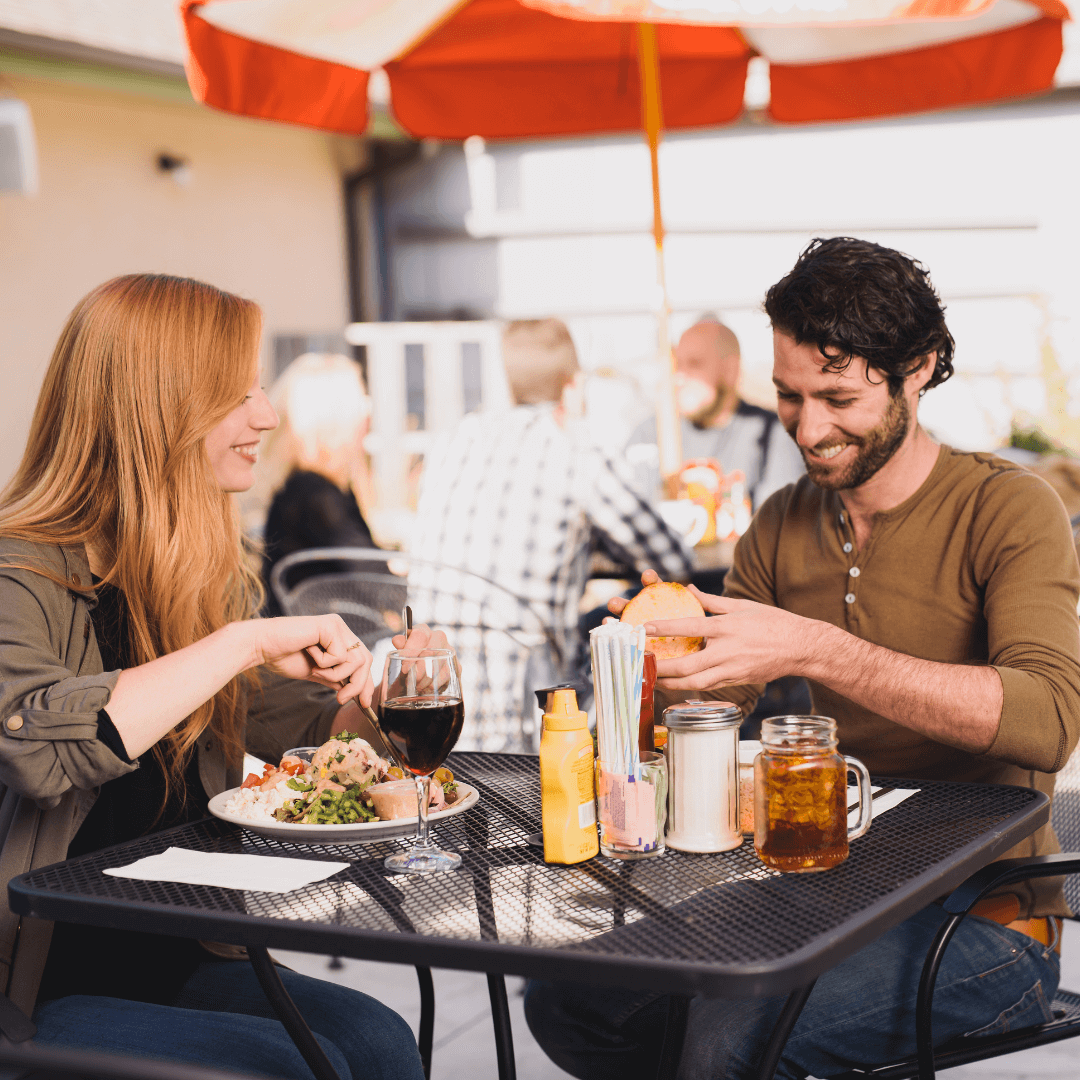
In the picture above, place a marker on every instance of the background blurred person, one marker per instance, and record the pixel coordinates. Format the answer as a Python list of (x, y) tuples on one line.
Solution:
[(716, 422), (316, 465), (514, 497)]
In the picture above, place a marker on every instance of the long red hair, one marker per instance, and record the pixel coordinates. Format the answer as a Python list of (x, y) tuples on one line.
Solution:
[(145, 367)]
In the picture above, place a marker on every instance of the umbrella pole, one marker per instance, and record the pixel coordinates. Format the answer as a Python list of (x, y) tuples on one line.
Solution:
[(668, 429)]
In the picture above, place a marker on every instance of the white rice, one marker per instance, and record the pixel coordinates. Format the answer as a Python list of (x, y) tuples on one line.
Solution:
[(256, 804)]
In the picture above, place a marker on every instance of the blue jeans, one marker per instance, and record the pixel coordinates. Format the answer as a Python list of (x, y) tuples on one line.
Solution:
[(222, 1018), (862, 1012)]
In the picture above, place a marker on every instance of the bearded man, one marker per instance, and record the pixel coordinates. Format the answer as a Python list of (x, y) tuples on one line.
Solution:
[(929, 597), (716, 422)]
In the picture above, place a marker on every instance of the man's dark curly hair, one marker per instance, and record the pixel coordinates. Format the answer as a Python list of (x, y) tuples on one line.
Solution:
[(852, 298)]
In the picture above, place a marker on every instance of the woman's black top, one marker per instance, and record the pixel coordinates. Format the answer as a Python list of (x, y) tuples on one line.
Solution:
[(123, 963), (310, 511)]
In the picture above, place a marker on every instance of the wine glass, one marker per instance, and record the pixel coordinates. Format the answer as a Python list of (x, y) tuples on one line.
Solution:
[(422, 716)]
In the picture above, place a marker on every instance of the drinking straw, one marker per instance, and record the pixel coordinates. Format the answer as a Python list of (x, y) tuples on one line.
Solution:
[(618, 656), (602, 676)]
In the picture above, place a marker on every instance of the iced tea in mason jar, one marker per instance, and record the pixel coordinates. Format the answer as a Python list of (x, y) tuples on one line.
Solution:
[(800, 795)]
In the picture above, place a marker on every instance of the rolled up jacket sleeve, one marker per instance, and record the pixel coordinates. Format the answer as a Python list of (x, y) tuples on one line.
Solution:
[(50, 698)]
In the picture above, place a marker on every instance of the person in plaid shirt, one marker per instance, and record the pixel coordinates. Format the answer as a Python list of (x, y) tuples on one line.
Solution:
[(515, 498)]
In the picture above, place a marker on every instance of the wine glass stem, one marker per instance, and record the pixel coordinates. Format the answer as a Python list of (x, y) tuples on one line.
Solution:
[(422, 839)]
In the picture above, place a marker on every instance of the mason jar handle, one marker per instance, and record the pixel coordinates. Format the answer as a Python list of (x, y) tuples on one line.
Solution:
[(866, 798)]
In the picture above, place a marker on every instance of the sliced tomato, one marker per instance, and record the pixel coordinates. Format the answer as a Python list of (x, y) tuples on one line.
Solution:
[(293, 768), (251, 780)]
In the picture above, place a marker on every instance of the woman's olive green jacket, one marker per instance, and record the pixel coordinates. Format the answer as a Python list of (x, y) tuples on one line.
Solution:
[(52, 764)]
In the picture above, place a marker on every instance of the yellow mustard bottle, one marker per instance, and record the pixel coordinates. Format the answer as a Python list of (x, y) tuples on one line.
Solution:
[(567, 787)]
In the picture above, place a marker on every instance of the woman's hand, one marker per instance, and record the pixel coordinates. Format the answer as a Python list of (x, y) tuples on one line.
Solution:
[(745, 642), (420, 639), (317, 647)]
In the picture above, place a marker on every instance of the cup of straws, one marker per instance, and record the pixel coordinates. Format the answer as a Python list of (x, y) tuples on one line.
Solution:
[(631, 785)]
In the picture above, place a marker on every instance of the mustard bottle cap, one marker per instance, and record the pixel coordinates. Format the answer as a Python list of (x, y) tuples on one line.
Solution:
[(565, 714)]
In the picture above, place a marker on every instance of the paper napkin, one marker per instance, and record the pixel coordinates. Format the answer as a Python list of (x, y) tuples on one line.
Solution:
[(884, 799), (257, 873)]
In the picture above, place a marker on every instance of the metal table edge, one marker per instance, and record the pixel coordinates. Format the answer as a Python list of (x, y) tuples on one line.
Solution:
[(676, 976)]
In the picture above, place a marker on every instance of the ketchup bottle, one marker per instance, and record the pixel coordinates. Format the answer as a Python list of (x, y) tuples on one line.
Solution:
[(646, 732)]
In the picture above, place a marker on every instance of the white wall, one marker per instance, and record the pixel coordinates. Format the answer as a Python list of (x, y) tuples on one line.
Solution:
[(986, 199), (261, 216)]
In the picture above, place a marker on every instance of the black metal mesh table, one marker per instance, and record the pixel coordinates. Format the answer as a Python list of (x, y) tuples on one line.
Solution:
[(722, 925)]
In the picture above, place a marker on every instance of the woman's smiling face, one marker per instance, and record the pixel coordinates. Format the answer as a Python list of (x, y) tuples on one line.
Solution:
[(233, 446)]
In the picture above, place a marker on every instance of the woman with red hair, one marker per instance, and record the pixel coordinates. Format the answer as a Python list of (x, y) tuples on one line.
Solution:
[(133, 675)]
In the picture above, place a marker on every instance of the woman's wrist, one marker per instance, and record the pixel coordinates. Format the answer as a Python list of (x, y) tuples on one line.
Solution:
[(238, 639)]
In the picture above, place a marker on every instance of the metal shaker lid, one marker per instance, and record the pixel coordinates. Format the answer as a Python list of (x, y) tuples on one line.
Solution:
[(702, 716)]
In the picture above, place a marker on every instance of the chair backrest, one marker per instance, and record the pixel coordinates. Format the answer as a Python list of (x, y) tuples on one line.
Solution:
[(368, 587), (513, 647), (369, 603), (1066, 821)]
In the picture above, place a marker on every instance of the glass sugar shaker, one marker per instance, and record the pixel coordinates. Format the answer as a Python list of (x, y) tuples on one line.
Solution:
[(703, 776)]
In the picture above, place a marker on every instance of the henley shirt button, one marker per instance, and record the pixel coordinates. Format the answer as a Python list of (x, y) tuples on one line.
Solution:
[(850, 598), (854, 571), (75, 580), (15, 723), (847, 546)]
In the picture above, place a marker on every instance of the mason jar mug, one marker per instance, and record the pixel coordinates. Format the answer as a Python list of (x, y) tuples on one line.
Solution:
[(801, 793)]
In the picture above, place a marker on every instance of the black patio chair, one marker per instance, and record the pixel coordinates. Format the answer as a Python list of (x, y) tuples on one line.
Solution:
[(1066, 1004), (369, 587)]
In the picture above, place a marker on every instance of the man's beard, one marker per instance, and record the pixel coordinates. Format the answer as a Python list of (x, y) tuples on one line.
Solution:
[(705, 417), (874, 449)]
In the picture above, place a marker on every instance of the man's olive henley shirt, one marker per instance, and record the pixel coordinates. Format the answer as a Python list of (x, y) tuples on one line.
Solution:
[(977, 567)]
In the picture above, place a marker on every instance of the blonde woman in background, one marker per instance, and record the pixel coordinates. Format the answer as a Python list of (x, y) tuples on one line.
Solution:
[(316, 468), (128, 687)]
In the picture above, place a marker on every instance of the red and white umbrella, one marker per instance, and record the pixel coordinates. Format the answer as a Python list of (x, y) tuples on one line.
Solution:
[(520, 68), (532, 68)]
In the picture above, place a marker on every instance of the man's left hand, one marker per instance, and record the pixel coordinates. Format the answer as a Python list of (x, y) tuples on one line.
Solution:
[(745, 642)]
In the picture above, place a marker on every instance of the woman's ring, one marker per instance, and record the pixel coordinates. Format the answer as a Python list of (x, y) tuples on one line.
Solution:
[(349, 648)]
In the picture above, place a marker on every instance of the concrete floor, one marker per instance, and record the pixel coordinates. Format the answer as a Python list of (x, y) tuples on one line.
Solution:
[(465, 1046)]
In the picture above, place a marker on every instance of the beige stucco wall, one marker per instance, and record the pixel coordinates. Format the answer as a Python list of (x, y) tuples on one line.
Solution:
[(261, 216)]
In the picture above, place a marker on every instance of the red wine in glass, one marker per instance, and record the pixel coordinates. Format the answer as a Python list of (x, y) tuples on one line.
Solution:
[(422, 731), (421, 718)]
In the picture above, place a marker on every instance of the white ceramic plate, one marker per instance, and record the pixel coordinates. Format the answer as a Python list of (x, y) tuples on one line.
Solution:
[(365, 833)]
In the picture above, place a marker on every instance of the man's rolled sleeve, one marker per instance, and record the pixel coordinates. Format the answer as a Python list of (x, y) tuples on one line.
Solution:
[(1025, 560)]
